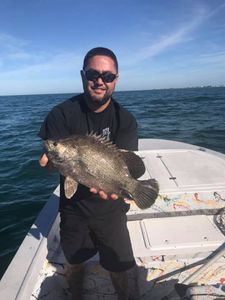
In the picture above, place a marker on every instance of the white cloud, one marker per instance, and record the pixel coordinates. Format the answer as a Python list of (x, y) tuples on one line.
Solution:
[(17, 60), (25, 71), (12, 48), (10, 42), (217, 57), (173, 38), (184, 33), (57, 64)]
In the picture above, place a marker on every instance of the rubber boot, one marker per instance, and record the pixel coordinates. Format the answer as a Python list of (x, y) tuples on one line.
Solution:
[(120, 284), (126, 284), (133, 283), (74, 276)]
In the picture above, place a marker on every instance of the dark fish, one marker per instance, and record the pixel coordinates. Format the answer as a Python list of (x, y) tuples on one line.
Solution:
[(95, 162)]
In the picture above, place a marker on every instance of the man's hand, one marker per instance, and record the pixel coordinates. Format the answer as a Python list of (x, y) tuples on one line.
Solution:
[(43, 160), (103, 195)]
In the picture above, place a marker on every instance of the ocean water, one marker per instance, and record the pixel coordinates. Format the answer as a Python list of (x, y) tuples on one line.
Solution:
[(194, 115)]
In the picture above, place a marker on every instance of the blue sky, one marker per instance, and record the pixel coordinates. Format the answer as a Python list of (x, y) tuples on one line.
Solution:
[(159, 44)]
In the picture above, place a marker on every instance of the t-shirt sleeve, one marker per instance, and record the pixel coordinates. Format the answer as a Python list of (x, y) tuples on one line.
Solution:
[(54, 126), (127, 135)]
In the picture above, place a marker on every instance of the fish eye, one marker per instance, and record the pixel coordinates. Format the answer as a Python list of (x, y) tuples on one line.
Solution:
[(55, 144)]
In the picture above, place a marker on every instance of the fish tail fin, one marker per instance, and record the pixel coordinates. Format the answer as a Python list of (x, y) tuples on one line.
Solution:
[(145, 193)]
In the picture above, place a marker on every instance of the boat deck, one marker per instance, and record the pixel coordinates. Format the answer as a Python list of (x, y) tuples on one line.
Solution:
[(157, 273), (170, 240)]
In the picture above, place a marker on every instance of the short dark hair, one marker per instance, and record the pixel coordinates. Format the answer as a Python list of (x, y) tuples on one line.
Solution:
[(100, 51)]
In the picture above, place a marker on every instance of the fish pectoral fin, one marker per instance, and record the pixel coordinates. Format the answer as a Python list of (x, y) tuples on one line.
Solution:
[(70, 187)]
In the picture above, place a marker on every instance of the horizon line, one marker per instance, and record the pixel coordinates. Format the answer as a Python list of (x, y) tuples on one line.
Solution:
[(137, 90)]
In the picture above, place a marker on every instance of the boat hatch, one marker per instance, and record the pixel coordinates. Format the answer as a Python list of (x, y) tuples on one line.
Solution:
[(174, 235), (184, 170)]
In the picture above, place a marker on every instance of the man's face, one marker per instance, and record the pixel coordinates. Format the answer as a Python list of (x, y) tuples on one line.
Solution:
[(98, 89)]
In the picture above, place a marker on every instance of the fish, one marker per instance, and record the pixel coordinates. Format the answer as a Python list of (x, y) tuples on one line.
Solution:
[(94, 161)]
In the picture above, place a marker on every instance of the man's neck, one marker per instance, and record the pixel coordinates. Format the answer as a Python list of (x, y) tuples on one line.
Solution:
[(103, 107)]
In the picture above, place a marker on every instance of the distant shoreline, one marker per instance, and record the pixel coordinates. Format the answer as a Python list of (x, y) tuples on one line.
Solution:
[(125, 91)]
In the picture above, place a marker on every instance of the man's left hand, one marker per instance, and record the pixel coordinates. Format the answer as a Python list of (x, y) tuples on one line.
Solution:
[(103, 195)]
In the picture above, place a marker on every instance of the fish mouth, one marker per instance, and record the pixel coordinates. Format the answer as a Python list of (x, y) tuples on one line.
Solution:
[(51, 152), (54, 151)]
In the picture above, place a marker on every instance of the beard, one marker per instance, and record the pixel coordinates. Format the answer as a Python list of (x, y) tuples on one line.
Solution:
[(93, 103)]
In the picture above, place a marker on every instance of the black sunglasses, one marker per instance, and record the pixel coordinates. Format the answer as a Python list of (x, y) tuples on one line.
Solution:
[(93, 75)]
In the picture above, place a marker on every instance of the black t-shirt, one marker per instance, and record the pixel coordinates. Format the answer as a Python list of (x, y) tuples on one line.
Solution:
[(73, 117)]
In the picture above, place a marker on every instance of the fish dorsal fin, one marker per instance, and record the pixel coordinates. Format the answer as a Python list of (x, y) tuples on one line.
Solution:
[(103, 140), (134, 163)]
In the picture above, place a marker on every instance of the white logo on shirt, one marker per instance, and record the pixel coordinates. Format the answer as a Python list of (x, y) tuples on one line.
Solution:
[(106, 133)]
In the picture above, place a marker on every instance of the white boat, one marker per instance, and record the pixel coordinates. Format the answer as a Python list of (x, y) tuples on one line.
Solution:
[(180, 239)]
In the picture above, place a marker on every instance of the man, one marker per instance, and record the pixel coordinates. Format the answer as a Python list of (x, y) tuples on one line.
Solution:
[(88, 223)]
